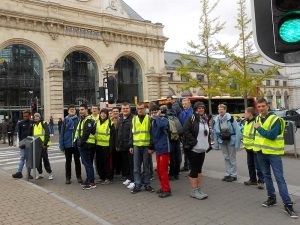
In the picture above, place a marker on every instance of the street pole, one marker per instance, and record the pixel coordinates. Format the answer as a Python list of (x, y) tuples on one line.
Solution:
[(37, 104)]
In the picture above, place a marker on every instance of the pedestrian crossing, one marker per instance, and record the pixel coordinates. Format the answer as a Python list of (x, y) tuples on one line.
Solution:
[(9, 157)]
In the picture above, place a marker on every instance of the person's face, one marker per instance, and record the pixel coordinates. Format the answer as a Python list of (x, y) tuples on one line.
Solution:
[(83, 111), (116, 113), (72, 111), (155, 113), (248, 115), (201, 110), (126, 110), (37, 119), (26, 116), (95, 110), (103, 115), (110, 114), (263, 108), (186, 104), (141, 110), (221, 111)]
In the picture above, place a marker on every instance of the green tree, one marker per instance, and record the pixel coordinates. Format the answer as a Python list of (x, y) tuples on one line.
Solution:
[(242, 54), (206, 49)]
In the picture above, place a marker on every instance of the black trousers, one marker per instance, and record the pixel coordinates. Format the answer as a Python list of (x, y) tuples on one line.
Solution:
[(46, 162), (103, 162), (125, 163), (175, 159), (69, 152), (10, 139), (255, 173), (117, 162)]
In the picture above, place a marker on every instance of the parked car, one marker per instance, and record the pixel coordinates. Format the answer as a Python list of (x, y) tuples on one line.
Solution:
[(290, 115)]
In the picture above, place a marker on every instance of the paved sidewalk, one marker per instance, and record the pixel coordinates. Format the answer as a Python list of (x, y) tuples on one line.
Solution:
[(24, 204)]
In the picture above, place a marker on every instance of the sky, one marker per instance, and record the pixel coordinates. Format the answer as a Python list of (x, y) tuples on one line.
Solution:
[(181, 19)]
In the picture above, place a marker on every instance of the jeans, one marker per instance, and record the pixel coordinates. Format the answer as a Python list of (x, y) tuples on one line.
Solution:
[(141, 156), (175, 159), (229, 153), (275, 162), (255, 173), (86, 161), (259, 165), (22, 160), (51, 127), (69, 152), (45, 159), (162, 171)]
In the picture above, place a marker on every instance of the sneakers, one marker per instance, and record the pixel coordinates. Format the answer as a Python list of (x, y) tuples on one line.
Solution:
[(261, 186), (40, 176), (30, 177), (290, 211), (17, 175), (198, 194), (149, 189), (127, 182), (250, 182), (106, 182), (131, 185), (135, 190), (270, 202), (231, 179), (225, 178), (50, 177), (89, 186), (68, 181), (164, 194)]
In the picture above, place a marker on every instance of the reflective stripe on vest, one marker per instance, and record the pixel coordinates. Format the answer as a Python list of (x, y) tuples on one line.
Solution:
[(267, 146), (91, 139), (248, 135), (38, 131), (141, 131), (102, 133)]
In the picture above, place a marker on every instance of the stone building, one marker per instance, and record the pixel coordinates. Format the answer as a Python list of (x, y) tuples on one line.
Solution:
[(53, 53)]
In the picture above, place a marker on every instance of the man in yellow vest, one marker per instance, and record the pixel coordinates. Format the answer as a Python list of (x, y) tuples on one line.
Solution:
[(269, 138), (255, 173), (85, 140), (140, 142), (104, 147), (42, 131)]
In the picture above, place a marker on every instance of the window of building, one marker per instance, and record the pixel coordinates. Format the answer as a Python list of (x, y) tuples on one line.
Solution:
[(184, 79), (200, 77), (284, 83), (268, 83), (276, 83)]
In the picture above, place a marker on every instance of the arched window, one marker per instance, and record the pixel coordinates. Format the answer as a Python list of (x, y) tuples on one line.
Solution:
[(81, 79)]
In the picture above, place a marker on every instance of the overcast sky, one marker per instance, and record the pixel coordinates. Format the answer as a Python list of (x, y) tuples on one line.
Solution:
[(181, 19)]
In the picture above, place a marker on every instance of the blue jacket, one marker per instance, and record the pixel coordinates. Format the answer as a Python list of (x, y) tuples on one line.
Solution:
[(160, 135), (185, 114), (67, 133), (235, 139)]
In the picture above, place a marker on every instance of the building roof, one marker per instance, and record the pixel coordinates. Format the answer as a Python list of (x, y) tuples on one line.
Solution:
[(130, 12)]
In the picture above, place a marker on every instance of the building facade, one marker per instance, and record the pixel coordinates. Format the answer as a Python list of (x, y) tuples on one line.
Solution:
[(53, 53)]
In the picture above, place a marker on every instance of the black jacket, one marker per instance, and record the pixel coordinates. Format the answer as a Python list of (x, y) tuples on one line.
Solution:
[(25, 129), (123, 133), (190, 132), (88, 128)]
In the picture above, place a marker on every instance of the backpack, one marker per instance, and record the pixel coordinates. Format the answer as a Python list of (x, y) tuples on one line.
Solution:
[(225, 130), (175, 128)]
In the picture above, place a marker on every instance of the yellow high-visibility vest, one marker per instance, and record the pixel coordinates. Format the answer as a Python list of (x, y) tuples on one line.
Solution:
[(102, 133), (91, 139), (267, 146), (248, 135), (38, 131), (141, 131)]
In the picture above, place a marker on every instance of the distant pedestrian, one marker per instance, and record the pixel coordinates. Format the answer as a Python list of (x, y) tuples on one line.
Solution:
[(197, 142), (228, 136), (59, 124), (51, 126), (10, 133), (269, 138), (160, 144), (66, 137), (4, 130)]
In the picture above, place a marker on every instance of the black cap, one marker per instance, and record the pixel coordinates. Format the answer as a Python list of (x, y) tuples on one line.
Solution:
[(199, 105)]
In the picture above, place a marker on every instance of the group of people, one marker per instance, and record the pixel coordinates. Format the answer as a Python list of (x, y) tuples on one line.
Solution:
[(7, 130), (114, 141)]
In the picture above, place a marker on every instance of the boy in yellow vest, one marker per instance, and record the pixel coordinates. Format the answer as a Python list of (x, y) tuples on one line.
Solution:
[(41, 130), (269, 139)]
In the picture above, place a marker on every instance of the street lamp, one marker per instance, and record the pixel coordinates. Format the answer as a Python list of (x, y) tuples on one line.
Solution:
[(105, 82)]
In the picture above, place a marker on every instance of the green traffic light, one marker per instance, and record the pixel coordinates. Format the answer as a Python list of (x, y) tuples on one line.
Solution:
[(289, 31)]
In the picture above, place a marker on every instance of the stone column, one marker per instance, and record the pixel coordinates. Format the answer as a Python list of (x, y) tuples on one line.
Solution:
[(164, 86), (56, 83), (153, 86)]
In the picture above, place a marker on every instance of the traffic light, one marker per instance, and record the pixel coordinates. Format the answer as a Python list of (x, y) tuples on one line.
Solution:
[(101, 94), (277, 30), (112, 87), (286, 25)]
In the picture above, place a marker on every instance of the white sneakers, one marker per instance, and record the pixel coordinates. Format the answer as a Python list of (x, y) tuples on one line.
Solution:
[(131, 185), (50, 176), (127, 182)]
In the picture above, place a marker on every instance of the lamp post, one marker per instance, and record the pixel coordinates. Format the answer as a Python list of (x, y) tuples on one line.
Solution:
[(105, 83)]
